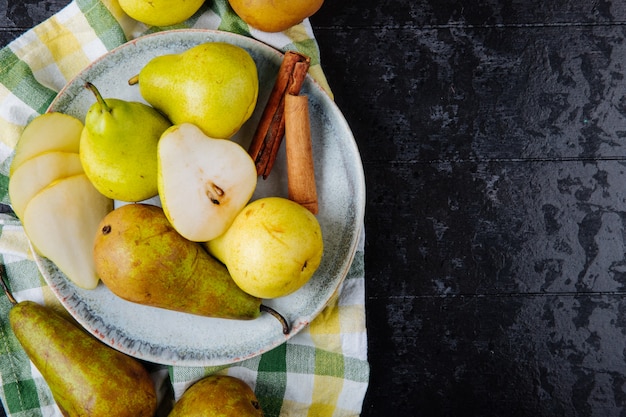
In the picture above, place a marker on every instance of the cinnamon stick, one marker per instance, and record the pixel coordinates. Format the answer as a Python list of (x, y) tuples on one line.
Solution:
[(271, 128), (300, 167)]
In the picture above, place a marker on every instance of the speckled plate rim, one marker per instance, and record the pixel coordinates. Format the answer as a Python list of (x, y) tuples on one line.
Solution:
[(173, 338)]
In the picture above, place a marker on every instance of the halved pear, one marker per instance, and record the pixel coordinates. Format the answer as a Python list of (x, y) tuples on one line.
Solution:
[(61, 222), (38, 172), (203, 182), (47, 132)]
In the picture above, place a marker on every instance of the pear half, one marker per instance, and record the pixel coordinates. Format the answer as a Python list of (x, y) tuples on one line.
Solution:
[(61, 221), (203, 182)]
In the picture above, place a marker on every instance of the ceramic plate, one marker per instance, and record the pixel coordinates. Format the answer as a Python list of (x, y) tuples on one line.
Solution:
[(174, 338)]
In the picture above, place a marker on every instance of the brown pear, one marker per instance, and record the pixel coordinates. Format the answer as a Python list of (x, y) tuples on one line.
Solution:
[(218, 395), (86, 377), (140, 257)]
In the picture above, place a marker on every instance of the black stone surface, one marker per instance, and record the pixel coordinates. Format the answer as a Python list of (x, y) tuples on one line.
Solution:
[(493, 137)]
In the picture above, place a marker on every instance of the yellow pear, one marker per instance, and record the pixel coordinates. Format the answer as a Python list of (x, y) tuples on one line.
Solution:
[(160, 12), (274, 15), (213, 85), (272, 248)]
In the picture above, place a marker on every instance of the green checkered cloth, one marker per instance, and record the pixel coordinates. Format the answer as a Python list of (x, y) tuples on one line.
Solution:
[(322, 371)]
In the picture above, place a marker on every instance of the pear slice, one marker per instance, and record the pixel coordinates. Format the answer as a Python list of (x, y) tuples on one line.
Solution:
[(61, 222), (38, 172), (203, 182), (47, 132)]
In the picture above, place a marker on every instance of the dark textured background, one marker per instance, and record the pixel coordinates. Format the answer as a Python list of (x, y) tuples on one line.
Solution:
[(493, 137)]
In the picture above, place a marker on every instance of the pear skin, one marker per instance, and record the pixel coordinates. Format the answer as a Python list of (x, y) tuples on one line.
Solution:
[(272, 248), (274, 15), (141, 258), (160, 12), (86, 377), (218, 395), (118, 147), (213, 85)]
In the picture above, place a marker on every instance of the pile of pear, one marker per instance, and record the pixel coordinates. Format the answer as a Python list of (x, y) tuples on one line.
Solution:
[(85, 193)]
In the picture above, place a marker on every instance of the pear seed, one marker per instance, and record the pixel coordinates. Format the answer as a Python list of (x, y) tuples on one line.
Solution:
[(218, 190), (214, 189)]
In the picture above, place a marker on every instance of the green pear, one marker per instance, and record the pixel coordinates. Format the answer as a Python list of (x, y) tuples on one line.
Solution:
[(86, 377), (118, 147), (272, 248), (203, 182), (140, 257), (218, 396), (213, 85)]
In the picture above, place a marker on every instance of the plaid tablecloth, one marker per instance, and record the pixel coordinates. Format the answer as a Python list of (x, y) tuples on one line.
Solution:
[(322, 371)]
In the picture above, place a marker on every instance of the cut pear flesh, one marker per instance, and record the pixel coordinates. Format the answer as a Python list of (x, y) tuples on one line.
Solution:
[(38, 172), (61, 222), (45, 133), (203, 182)]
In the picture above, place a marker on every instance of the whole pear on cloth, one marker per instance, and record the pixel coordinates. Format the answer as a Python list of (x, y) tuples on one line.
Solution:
[(213, 85), (274, 15), (203, 182), (218, 395), (272, 248), (86, 377), (160, 12)]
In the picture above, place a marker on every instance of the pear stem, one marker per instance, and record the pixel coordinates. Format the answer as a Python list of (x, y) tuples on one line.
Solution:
[(278, 316), (99, 98), (5, 286), (134, 80)]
